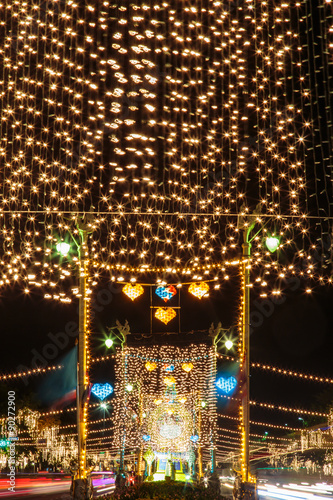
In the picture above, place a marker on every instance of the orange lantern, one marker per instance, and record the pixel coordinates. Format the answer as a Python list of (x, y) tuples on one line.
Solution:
[(133, 291), (199, 289), (165, 314)]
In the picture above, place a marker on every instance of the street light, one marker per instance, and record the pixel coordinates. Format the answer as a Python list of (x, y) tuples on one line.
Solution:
[(63, 248), (229, 344), (272, 243), (82, 486), (109, 343)]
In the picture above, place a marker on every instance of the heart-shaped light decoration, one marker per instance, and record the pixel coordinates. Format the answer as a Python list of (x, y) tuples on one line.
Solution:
[(226, 385), (102, 391), (182, 399), (166, 292), (169, 381), (187, 367), (146, 437), (194, 438), (165, 314), (157, 402), (199, 289), (169, 368), (133, 291), (150, 366)]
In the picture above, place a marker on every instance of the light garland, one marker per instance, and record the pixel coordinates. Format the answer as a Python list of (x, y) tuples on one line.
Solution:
[(292, 373)]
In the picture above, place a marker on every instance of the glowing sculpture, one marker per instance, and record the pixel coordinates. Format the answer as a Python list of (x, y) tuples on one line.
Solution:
[(165, 314), (226, 385), (199, 289), (133, 291), (102, 391), (272, 243), (166, 292)]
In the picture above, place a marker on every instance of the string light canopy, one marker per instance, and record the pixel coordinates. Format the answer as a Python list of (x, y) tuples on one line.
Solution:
[(165, 132)]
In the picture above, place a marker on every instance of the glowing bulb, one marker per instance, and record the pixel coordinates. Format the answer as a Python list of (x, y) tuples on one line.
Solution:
[(129, 387), (272, 243), (109, 343), (229, 344), (63, 248)]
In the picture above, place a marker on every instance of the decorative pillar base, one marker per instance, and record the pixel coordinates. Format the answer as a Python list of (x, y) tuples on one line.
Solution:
[(82, 489)]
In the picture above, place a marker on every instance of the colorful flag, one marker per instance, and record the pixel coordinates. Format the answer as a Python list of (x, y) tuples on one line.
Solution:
[(58, 389)]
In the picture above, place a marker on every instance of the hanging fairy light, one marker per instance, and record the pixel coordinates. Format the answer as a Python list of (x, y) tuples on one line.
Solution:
[(199, 289), (133, 291), (165, 314)]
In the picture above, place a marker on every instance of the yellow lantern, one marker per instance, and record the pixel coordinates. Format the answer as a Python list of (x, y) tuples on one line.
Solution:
[(133, 291), (150, 366), (199, 289), (165, 314), (169, 381), (187, 367)]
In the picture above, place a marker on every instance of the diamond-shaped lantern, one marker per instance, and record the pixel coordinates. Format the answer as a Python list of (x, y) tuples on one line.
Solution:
[(165, 314), (133, 291), (199, 289)]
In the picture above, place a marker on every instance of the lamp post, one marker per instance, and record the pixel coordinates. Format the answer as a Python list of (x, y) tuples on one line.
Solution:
[(81, 487), (245, 354), (246, 225)]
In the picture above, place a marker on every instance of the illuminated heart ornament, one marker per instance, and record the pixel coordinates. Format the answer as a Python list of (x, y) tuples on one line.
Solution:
[(146, 437), (226, 385), (133, 291), (166, 292), (169, 368), (169, 381), (102, 391), (165, 314), (199, 289), (194, 438), (150, 366), (187, 367)]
